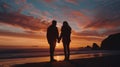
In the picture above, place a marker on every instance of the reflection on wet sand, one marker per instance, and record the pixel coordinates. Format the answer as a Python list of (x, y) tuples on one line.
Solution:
[(46, 59), (10, 62)]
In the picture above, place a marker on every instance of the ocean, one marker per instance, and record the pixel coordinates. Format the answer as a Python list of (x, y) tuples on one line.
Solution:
[(9, 57)]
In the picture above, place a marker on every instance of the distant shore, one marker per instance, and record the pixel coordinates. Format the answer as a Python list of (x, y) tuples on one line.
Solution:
[(106, 61)]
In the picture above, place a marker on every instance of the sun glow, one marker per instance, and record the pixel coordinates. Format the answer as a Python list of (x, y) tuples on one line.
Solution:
[(59, 58), (59, 45)]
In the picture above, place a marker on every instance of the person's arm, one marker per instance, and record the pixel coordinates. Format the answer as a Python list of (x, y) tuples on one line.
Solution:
[(60, 36), (57, 34)]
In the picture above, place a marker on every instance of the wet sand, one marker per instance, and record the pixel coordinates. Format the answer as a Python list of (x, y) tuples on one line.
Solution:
[(106, 61)]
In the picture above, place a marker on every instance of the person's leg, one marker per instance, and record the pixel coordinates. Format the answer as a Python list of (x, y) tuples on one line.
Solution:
[(51, 52), (65, 50), (54, 44), (68, 51), (52, 48)]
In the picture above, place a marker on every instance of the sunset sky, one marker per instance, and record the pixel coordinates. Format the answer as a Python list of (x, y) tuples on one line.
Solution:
[(24, 22)]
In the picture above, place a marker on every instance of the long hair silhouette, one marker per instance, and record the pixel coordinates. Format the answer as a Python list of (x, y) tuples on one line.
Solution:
[(66, 38)]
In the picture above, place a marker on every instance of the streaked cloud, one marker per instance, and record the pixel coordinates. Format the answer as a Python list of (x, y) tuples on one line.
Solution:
[(107, 17), (19, 20), (91, 20)]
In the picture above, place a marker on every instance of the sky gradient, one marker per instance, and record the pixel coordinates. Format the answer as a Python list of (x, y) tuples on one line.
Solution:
[(24, 22)]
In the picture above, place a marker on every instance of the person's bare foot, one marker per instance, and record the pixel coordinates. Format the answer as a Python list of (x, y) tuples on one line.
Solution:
[(66, 59), (53, 60)]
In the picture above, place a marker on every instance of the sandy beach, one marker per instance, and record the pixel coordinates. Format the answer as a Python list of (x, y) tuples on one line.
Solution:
[(106, 61)]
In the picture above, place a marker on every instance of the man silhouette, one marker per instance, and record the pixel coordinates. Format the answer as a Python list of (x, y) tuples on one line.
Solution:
[(65, 36), (52, 36)]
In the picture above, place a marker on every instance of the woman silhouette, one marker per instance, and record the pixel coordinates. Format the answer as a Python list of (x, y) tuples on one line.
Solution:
[(65, 36)]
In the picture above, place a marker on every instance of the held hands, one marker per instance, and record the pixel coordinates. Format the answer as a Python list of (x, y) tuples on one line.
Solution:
[(58, 40)]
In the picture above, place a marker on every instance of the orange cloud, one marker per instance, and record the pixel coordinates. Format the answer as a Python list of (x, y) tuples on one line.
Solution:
[(23, 35), (25, 22), (87, 35)]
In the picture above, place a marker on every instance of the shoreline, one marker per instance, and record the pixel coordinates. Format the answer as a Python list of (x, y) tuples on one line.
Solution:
[(106, 61), (60, 54)]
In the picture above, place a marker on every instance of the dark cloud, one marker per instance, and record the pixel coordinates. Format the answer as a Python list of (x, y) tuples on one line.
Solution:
[(107, 15), (23, 21), (4, 7), (72, 1), (49, 1), (12, 15)]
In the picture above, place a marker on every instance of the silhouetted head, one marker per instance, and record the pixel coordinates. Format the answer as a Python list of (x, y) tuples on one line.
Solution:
[(54, 22), (65, 23)]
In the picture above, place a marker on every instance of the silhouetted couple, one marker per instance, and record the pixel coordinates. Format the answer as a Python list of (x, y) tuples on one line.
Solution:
[(53, 37)]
